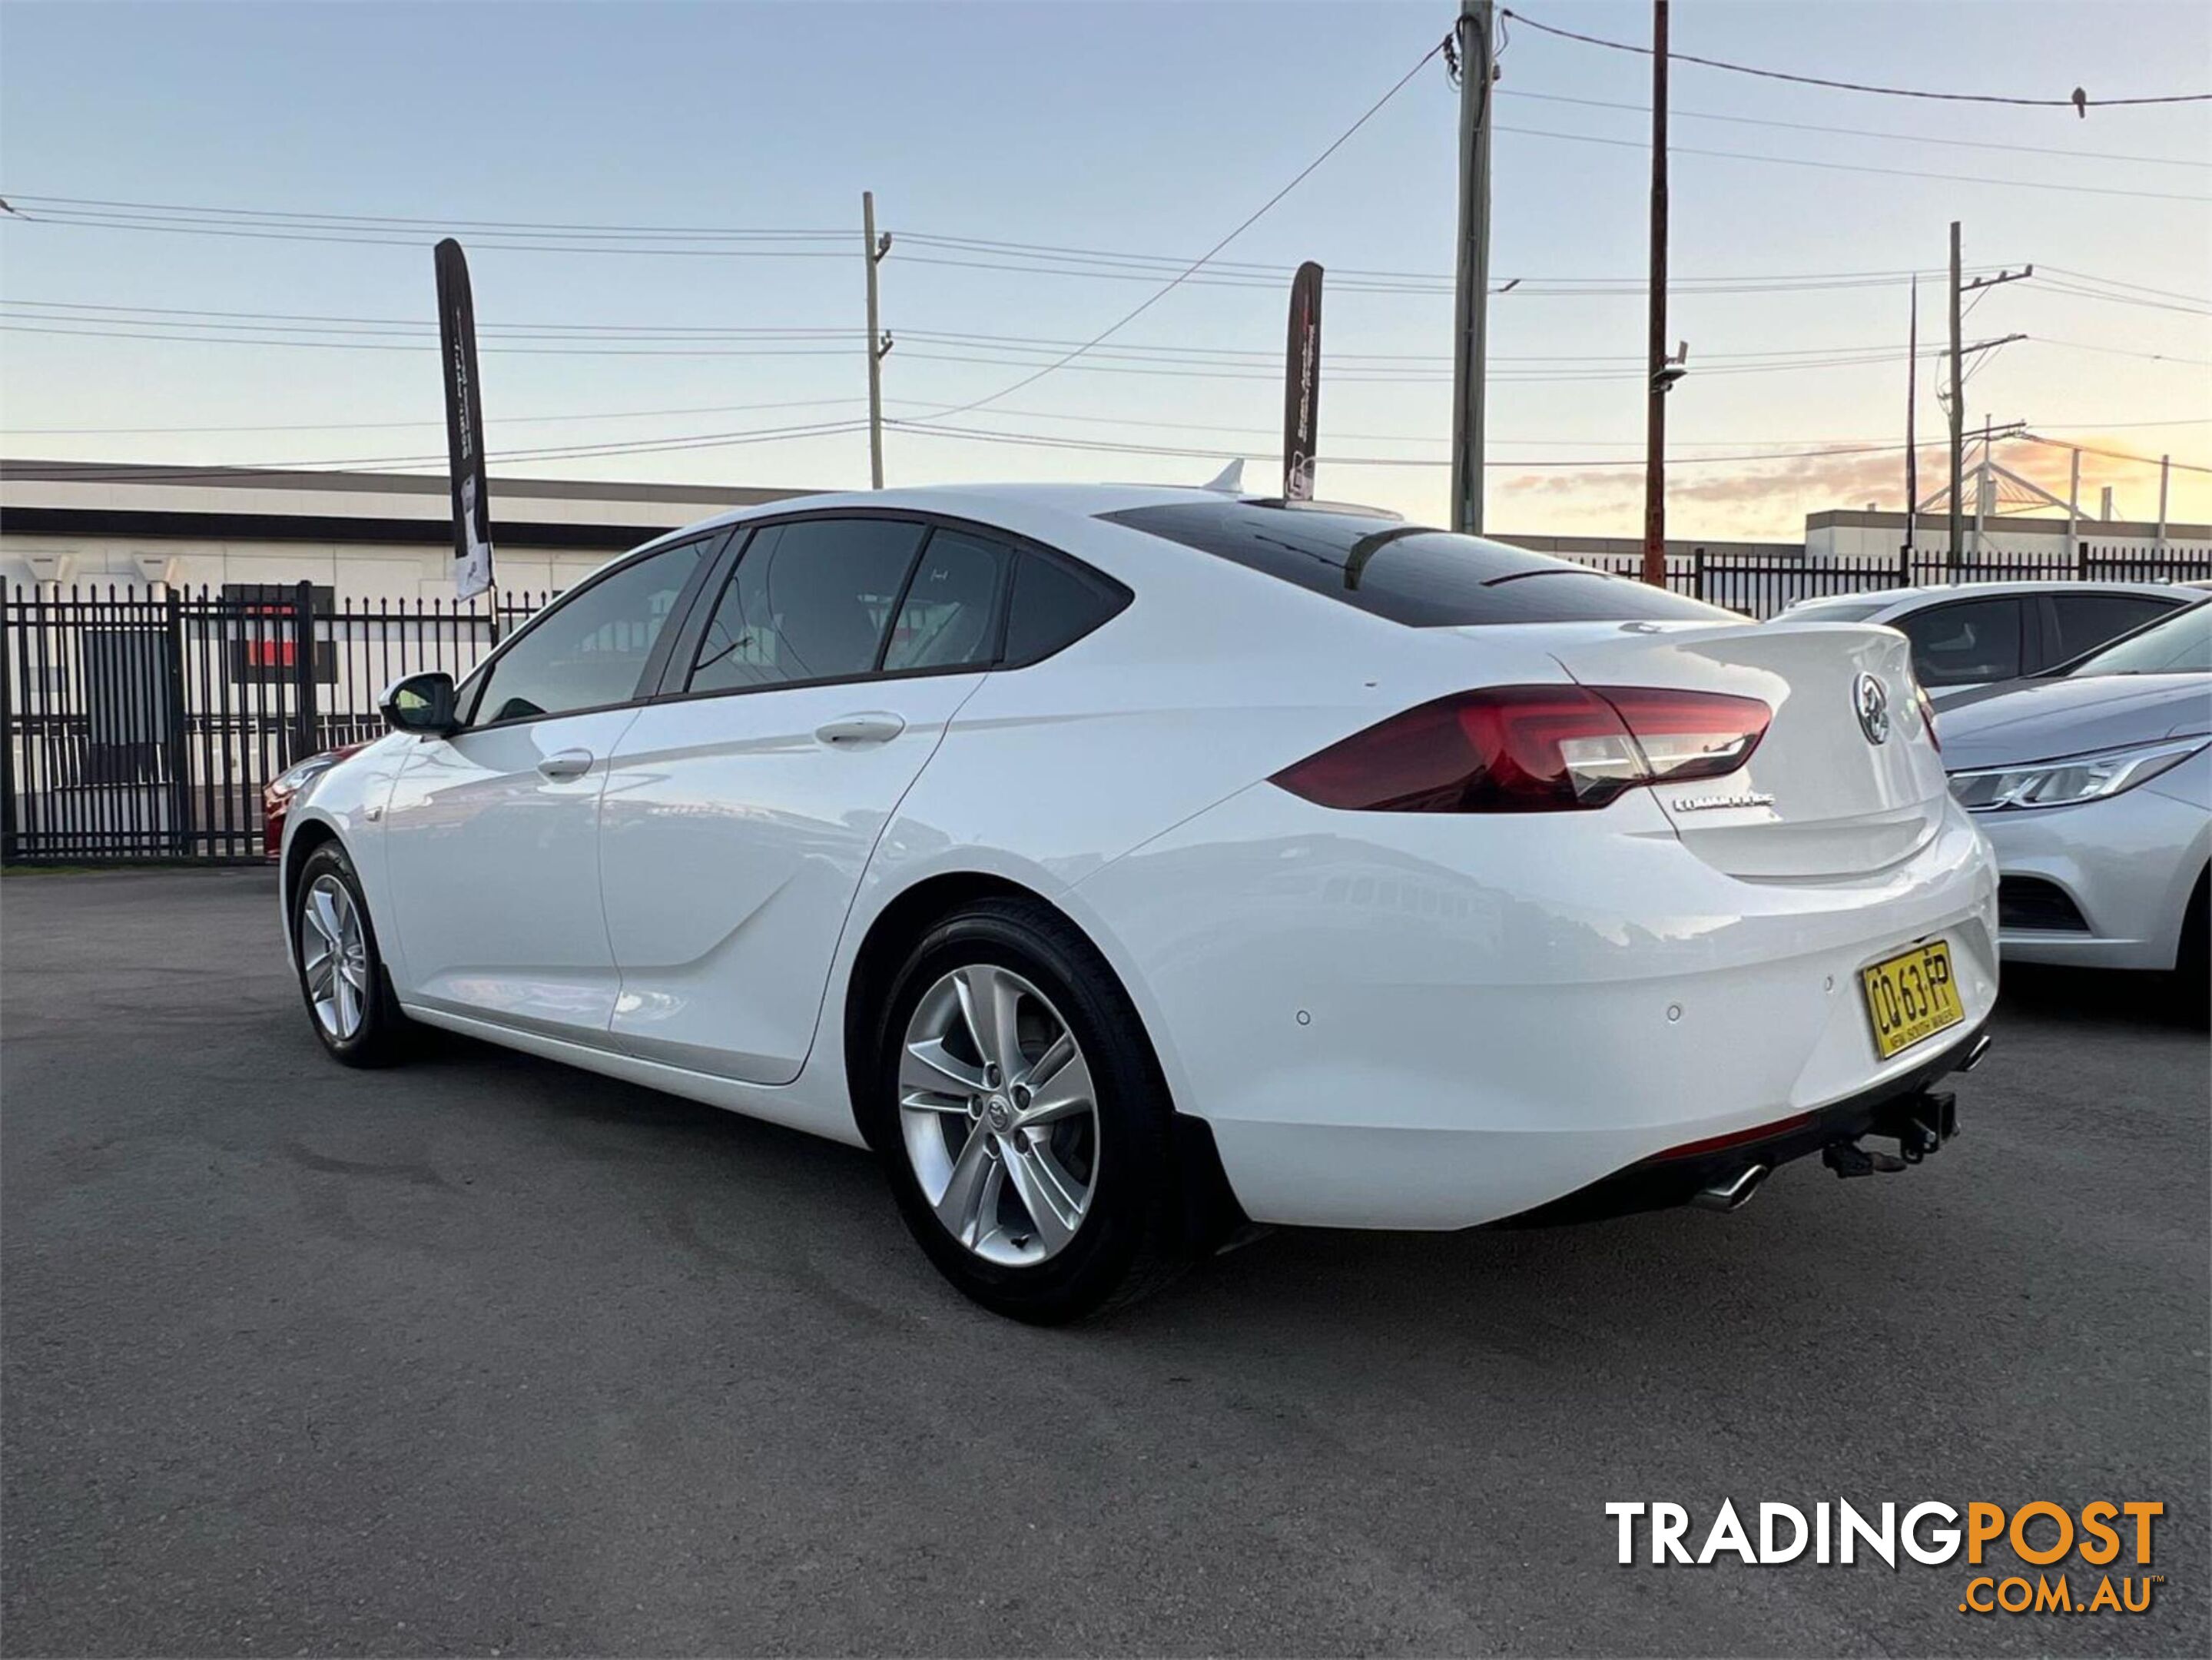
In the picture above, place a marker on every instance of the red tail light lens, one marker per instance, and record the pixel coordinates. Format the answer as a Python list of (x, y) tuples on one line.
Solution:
[(1927, 715), (1531, 748)]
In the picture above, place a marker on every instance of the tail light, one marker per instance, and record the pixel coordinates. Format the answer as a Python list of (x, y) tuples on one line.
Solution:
[(1927, 715), (1531, 748)]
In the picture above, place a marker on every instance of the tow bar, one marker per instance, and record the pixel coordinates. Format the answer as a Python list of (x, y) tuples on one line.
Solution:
[(1920, 1124)]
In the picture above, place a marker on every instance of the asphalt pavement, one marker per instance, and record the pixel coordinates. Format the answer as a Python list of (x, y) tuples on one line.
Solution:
[(482, 1355)]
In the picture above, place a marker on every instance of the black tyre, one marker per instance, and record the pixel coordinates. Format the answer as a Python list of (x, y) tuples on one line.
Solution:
[(2192, 963), (341, 971), (1021, 1115)]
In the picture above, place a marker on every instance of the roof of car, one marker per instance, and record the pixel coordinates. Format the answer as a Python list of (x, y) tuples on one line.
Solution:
[(1888, 597), (978, 501)]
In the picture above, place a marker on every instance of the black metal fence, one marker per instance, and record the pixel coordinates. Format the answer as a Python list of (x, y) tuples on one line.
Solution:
[(1764, 585), (142, 725)]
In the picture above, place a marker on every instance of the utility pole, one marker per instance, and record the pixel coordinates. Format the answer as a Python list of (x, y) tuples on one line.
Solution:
[(1959, 290), (1958, 409), (1471, 312), (2165, 471), (2073, 514), (877, 344), (1911, 398), (1654, 416)]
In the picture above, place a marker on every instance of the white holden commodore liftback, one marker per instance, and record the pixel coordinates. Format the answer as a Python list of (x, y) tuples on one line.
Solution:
[(1128, 866)]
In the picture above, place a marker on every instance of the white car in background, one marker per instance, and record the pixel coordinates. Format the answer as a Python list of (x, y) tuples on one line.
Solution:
[(1976, 633), (2094, 786), (1124, 865)]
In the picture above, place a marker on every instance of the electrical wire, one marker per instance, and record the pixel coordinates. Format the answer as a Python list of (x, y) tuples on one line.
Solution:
[(2080, 292), (439, 422), (2116, 455), (2074, 101), (1176, 282), (2123, 352), (1036, 441), (453, 226), (1675, 111), (2140, 288), (1050, 260), (183, 318), (1859, 167), (139, 473)]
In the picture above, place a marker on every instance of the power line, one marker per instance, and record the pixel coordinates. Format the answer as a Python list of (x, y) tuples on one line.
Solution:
[(1046, 258), (2117, 455), (58, 311), (2076, 101), (1003, 357), (387, 345), (129, 471), (1866, 132), (1039, 440), (2140, 288), (2080, 292), (373, 239), (1173, 283), (445, 226), (1861, 166), (2123, 352), (497, 421)]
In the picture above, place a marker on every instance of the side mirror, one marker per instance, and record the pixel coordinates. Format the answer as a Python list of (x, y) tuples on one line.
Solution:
[(420, 704)]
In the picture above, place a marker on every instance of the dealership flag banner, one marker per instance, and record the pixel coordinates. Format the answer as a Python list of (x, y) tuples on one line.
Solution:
[(1302, 385), (457, 339)]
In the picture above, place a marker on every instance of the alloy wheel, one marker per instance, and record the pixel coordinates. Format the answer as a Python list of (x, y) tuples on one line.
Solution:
[(334, 957), (998, 1115)]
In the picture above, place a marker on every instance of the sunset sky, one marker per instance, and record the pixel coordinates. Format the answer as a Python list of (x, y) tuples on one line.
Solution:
[(1140, 134)]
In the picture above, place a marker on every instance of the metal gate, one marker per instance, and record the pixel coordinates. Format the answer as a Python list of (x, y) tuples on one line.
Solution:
[(144, 726)]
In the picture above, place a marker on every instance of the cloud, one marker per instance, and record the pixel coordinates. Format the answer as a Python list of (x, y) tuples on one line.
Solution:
[(1769, 501)]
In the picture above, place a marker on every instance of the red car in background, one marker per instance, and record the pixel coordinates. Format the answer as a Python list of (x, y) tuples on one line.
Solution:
[(276, 795)]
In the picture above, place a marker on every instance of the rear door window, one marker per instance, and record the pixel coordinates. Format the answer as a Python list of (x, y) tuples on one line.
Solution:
[(810, 600), (1966, 643), (2077, 623), (950, 617), (1420, 577)]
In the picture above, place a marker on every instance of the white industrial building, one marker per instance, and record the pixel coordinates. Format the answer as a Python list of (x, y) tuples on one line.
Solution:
[(2011, 537), (362, 536)]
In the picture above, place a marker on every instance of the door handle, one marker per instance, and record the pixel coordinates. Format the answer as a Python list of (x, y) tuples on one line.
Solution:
[(854, 731), (566, 764)]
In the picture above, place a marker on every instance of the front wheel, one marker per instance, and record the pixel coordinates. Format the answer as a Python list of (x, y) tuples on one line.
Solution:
[(1023, 1119), (341, 971)]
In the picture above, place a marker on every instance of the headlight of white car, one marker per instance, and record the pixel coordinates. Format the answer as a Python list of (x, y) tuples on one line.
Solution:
[(2076, 778), (298, 778)]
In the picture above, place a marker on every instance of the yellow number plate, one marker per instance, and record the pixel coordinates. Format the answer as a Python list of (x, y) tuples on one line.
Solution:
[(1911, 997)]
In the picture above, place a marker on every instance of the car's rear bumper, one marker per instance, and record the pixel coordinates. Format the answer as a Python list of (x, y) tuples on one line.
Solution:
[(1422, 1021), (1725, 1172)]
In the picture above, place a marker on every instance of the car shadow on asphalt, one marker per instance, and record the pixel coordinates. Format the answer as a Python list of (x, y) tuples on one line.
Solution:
[(2106, 997), (1547, 1297)]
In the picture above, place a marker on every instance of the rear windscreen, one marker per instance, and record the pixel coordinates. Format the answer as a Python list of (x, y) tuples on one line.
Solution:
[(1422, 578)]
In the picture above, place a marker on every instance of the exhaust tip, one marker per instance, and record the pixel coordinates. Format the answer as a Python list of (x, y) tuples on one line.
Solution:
[(1974, 1055), (1734, 1193)]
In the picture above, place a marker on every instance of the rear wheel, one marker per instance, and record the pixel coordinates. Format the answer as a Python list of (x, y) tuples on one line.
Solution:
[(1022, 1119), (341, 971)]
